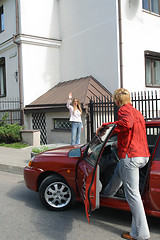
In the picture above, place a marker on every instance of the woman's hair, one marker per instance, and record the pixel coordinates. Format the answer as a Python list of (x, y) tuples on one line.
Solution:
[(121, 96), (78, 105)]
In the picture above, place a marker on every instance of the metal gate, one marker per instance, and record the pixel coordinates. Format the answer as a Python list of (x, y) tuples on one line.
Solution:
[(103, 109), (39, 123), (12, 109)]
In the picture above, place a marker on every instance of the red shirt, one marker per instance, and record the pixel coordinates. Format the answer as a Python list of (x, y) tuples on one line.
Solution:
[(131, 133)]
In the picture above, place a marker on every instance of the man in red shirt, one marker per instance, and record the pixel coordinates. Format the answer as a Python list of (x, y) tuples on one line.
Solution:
[(133, 153)]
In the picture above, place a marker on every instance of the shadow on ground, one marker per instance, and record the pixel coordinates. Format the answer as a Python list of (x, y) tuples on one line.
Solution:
[(73, 222)]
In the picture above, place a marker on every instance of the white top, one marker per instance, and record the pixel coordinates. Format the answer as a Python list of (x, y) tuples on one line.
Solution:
[(74, 116)]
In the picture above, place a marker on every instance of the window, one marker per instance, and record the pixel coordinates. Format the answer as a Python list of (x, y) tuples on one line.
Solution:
[(61, 124), (152, 5), (2, 78), (152, 134), (1, 19), (152, 69)]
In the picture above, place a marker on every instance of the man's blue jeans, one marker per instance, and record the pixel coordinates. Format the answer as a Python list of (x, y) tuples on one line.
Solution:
[(76, 133), (127, 173)]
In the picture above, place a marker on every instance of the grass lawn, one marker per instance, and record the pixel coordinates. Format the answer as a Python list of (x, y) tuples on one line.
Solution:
[(17, 145)]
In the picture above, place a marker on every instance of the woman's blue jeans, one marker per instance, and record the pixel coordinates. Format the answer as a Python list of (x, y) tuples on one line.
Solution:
[(76, 133), (127, 173)]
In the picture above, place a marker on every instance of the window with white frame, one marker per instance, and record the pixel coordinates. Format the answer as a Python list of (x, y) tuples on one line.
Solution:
[(152, 69), (1, 19), (152, 6), (2, 78)]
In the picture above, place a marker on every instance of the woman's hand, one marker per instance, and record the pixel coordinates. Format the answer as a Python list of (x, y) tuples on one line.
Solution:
[(70, 95), (99, 129)]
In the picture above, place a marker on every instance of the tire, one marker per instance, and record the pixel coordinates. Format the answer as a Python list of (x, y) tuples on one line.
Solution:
[(55, 194)]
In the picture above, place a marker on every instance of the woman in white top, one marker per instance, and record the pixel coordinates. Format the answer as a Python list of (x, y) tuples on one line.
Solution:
[(75, 118)]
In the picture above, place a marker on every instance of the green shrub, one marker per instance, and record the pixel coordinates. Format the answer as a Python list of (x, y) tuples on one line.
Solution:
[(3, 122), (2, 134), (9, 133)]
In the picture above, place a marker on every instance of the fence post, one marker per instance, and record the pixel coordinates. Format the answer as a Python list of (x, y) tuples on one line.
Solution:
[(91, 116), (88, 129), (116, 108), (22, 117)]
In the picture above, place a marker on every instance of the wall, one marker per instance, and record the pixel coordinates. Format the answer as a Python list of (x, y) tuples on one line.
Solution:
[(40, 69), (39, 18), (54, 136), (140, 32), (89, 40), (8, 49), (40, 63), (61, 136), (11, 64), (31, 137), (89, 33), (40, 56), (9, 20)]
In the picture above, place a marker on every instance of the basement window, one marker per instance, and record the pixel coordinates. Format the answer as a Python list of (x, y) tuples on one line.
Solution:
[(61, 124)]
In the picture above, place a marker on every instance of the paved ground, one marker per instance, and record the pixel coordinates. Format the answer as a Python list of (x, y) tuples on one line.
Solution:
[(14, 160), (105, 223)]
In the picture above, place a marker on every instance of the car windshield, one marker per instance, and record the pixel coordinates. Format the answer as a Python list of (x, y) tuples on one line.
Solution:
[(97, 143)]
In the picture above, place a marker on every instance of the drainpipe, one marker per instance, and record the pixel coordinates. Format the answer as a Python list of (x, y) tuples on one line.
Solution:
[(17, 18), (19, 61), (120, 43)]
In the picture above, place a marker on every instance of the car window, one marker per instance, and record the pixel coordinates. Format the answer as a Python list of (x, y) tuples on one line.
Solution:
[(97, 143), (152, 134)]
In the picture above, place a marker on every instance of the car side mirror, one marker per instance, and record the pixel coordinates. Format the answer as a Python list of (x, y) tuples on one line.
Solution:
[(75, 153)]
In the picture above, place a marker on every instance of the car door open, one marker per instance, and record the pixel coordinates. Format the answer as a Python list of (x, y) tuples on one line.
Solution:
[(88, 182)]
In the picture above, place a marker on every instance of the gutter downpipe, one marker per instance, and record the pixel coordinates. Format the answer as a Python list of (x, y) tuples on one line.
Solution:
[(19, 62), (120, 43)]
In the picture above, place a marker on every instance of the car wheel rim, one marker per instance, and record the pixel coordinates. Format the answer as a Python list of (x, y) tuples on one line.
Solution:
[(58, 194)]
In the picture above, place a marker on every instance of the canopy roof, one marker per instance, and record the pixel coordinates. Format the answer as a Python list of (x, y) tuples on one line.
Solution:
[(83, 88)]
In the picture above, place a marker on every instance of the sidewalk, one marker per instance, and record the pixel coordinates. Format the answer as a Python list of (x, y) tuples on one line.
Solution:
[(14, 160)]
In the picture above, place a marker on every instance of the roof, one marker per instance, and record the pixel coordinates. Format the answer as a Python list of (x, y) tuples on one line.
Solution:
[(83, 88)]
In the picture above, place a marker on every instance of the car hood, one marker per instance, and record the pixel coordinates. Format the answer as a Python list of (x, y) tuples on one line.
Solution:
[(61, 151)]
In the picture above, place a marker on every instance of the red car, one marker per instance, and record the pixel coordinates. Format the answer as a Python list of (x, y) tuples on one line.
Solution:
[(80, 172)]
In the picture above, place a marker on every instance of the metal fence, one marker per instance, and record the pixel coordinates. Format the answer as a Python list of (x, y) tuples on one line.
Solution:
[(148, 103), (102, 109), (13, 109)]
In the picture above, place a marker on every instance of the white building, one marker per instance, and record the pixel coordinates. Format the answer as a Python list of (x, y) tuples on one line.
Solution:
[(43, 43), (29, 43)]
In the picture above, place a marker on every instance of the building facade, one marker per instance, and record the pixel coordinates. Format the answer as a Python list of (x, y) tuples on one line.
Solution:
[(43, 43), (30, 47)]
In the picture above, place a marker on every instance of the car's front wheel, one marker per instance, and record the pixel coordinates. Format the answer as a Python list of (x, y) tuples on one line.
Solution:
[(55, 193)]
